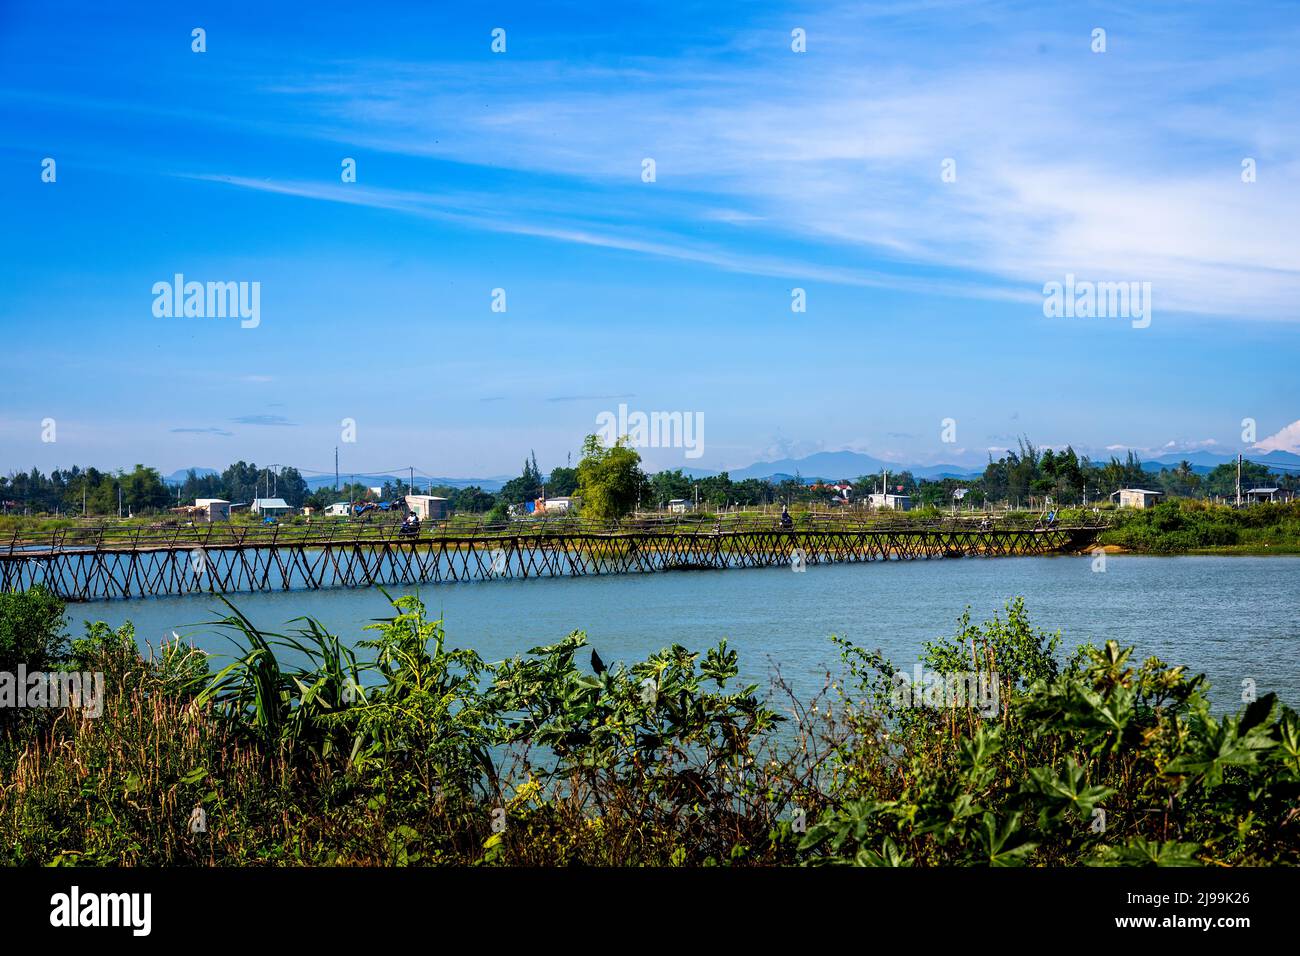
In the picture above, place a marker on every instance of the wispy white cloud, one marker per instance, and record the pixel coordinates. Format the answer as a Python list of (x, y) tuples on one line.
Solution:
[(277, 420), (1185, 445), (433, 206), (826, 166), (1109, 168), (208, 430)]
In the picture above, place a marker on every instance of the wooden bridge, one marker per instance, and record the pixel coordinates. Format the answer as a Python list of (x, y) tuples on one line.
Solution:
[(82, 564)]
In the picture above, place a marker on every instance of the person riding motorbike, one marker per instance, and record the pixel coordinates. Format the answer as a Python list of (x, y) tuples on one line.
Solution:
[(786, 521)]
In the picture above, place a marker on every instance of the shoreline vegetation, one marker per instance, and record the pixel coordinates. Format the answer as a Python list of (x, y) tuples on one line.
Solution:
[(610, 477), (410, 751), (1184, 526)]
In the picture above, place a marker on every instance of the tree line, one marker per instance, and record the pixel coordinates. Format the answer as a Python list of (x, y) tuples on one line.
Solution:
[(612, 481), (143, 490)]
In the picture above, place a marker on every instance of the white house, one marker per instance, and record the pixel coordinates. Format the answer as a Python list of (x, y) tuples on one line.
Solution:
[(1137, 497), (560, 505), (212, 509), (1256, 495), (340, 509), (679, 506), (270, 506), (890, 502), (428, 507)]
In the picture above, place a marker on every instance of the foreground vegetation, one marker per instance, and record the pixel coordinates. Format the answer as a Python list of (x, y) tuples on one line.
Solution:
[(425, 754)]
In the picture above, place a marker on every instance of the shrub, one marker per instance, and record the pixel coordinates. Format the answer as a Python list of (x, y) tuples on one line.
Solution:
[(1187, 525), (31, 629)]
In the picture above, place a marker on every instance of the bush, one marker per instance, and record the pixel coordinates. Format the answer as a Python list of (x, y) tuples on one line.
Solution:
[(31, 629), (1182, 525), (1104, 763), (31, 635)]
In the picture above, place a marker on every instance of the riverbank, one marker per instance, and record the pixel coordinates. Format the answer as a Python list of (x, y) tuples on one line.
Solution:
[(424, 754), (1286, 549)]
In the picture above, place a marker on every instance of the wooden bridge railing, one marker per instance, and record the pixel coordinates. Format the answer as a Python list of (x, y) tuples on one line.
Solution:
[(326, 531)]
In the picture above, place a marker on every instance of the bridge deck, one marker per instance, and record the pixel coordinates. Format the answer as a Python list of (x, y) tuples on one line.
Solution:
[(88, 564)]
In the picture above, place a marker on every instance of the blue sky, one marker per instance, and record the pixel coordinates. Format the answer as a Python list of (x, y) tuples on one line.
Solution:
[(775, 170)]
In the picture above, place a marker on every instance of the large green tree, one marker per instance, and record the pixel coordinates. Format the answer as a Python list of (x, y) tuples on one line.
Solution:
[(610, 480)]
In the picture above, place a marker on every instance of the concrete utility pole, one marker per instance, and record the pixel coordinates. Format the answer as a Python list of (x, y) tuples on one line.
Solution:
[(336, 468), (1238, 479)]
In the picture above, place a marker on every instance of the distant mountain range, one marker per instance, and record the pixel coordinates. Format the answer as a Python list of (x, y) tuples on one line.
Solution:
[(1203, 462), (837, 465), (823, 466)]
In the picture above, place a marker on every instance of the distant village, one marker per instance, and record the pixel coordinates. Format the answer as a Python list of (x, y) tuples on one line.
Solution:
[(427, 507), (422, 507)]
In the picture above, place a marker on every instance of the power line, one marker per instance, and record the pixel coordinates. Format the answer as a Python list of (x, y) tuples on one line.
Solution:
[(384, 471), (1271, 466)]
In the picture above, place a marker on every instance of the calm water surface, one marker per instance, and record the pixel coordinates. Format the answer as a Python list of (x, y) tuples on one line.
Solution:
[(1230, 617)]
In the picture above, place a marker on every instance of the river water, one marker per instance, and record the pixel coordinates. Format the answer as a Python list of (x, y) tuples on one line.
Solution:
[(1233, 618)]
